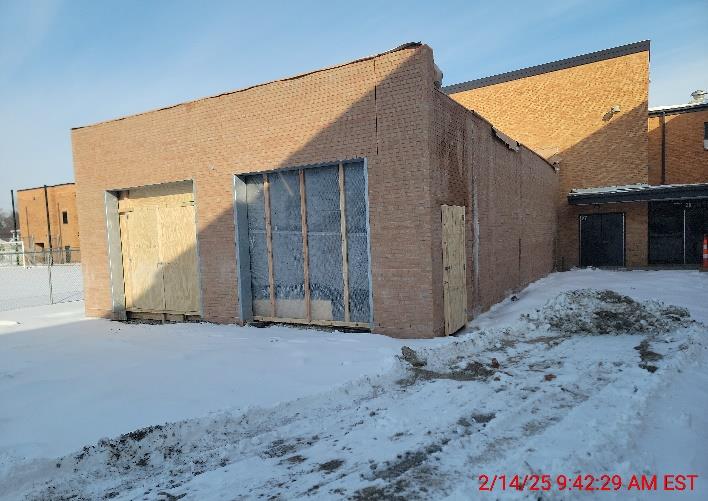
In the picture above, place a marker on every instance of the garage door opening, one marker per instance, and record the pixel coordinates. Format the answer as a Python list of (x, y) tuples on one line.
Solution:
[(602, 239), (303, 245), (158, 247)]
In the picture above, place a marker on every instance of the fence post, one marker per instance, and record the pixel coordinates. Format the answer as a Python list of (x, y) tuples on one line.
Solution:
[(49, 272)]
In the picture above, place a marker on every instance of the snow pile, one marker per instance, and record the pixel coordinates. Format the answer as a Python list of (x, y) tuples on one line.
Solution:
[(603, 312), (536, 396)]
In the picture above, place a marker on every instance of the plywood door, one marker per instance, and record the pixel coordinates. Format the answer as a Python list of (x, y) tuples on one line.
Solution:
[(144, 288), (454, 267), (178, 255), (158, 242)]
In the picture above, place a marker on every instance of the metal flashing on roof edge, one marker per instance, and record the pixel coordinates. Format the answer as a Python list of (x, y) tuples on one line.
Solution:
[(679, 108), (638, 193), (510, 143), (42, 187), (562, 64)]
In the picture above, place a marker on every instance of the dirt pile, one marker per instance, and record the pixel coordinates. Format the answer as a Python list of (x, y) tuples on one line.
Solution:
[(605, 312)]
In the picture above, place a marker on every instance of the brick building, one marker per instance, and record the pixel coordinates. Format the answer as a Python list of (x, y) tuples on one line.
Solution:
[(588, 115), (678, 144), (678, 159), (356, 195), (63, 226)]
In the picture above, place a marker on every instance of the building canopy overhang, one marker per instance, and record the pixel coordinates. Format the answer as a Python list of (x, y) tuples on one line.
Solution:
[(638, 193)]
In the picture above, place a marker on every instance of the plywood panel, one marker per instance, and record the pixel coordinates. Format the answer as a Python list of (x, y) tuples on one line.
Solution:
[(454, 273), (158, 244), (178, 257), (169, 194), (141, 260)]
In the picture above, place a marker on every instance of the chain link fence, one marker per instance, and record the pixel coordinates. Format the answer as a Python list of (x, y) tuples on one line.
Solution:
[(39, 278)]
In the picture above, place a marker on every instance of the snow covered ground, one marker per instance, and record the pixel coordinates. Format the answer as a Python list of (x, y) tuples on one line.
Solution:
[(583, 382), (24, 287)]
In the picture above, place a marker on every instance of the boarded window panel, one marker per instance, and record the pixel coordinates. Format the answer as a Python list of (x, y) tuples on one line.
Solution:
[(357, 242), (287, 245), (325, 243), (257, 245)]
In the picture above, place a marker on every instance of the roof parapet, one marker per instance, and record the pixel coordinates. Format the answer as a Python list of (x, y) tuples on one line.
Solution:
[(561, 64)]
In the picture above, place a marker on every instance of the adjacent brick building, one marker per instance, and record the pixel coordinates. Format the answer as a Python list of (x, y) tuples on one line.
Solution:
[(363, 195), (563, 110), (588, 115), (678, 144), (234, 162), (63, 225)]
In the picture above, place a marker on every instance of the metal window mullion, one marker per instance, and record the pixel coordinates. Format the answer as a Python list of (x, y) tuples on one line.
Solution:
[(343, 229), (305, 248), (269, 242)]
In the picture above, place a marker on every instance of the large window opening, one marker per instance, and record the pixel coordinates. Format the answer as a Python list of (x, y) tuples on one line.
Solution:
[(307, 244)]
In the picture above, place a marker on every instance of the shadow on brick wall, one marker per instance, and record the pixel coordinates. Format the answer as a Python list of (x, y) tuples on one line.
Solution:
[(615, 154), (383, 125)]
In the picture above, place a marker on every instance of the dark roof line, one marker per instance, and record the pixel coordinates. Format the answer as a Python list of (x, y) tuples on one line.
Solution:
[(42, 187), (562, 64), (679, 108), (408, 45), (638, 193)]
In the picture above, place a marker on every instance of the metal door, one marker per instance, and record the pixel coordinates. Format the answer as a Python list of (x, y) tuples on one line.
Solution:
[(602, 239), (666, 241), (696, 227), (676, 232)]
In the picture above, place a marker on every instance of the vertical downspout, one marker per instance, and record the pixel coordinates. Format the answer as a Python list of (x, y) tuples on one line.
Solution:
[(49, 225), (61, 222), (14, 226), (14, 215), (663, 147), (49, 239)]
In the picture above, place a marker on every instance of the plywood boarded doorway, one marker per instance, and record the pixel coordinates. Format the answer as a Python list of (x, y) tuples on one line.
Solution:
[(454, 267), (159, 249)]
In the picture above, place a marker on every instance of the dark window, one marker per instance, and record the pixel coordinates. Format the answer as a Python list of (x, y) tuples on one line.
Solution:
[(65, 217), (705, 135)]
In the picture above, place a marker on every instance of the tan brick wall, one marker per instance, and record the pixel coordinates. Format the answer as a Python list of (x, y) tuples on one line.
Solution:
[(563, 115), (686, 158), (510, 201), (32, 215), (374, 108), (654, 149), (421, 147), (516, 224)]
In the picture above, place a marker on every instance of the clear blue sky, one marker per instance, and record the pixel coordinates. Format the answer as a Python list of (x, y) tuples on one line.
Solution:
[(74, 62)]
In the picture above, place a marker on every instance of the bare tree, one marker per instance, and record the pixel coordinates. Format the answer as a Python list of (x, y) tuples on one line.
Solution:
[(6, 226)]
